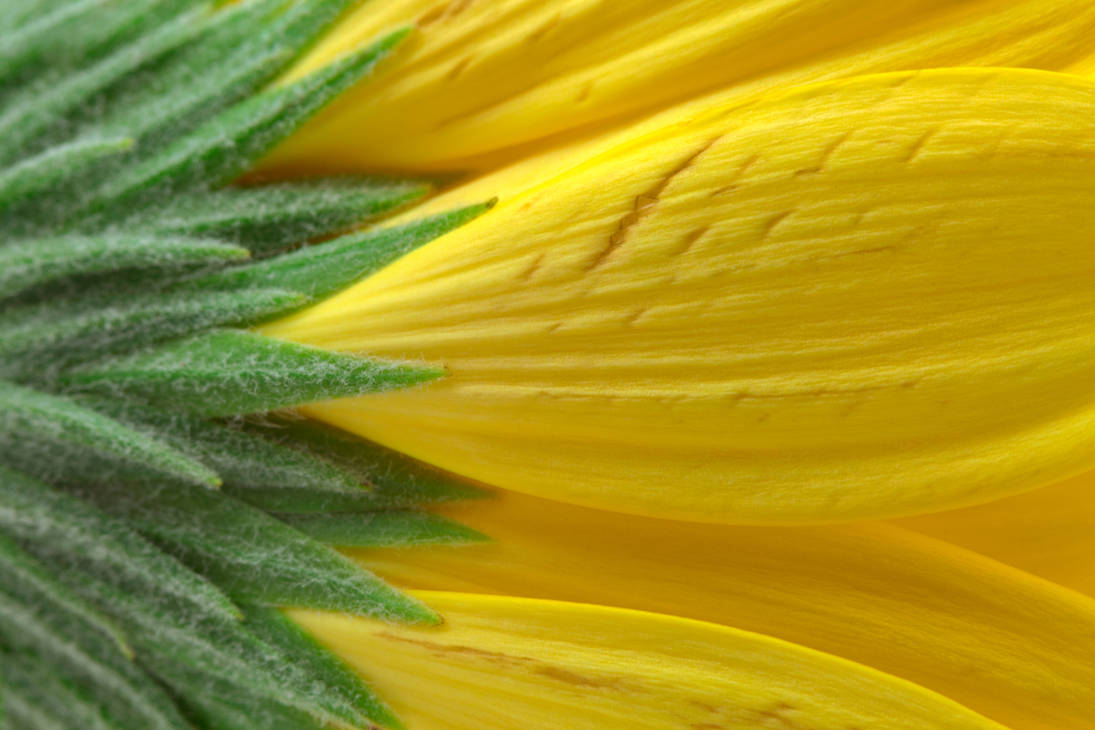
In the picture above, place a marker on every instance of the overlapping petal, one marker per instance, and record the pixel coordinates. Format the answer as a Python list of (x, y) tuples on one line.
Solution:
[(1009, 646), (500, 662), (1049, 532), (486, 81), (861, 298)]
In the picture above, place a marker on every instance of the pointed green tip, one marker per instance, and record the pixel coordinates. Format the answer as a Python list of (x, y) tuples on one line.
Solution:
[(396, 37)]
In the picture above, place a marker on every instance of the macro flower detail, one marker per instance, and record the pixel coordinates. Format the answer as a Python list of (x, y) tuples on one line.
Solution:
[(848, 300), (730, 369)]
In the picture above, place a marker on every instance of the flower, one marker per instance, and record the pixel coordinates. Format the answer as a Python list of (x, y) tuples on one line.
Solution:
[(848, 300), (728, 280), (482, 83)]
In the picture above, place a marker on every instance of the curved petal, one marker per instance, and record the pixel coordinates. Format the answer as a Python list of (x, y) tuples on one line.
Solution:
[(1049, 532), (484, 81), (857, 299), (1009, 646), (502, 662)]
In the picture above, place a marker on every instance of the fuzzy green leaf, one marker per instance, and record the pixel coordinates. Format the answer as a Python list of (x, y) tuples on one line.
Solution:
[(242, 709), (71, 536), (128, 693), (246, 45), (227, 145), (396, 480), (253, 556), (323, 269), (271, 217), (343, 683), (74, 34), (40, 108), (227, 372), (241, 459), (80, 329), (27, 264), (55, 438), (37, 682), (170, 642), (395, 528), (53, 166), (23, 576)]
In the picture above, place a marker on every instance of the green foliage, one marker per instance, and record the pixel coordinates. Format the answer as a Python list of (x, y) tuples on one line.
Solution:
[(148, 532), (393, 528), (227, 372), (28, 264)]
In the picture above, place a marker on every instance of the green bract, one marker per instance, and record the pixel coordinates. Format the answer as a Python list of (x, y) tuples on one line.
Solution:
[(147, 530)]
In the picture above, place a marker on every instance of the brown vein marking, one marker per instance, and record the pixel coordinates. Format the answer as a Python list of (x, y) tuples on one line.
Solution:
[(644, 205), (533, 267), (543, 29), (565, 675), (444, 11), (918, 146), (443, 649), (826, 155), (634, 316), (690, 240), (732, 185), (544, 669), (458, 68), (859, 252), (778, 714), (587, 89), (771, 223)]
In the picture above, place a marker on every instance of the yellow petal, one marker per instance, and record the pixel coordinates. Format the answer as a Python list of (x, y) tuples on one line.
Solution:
[(862, 298), (484, 80), (1011, 647), (1049, 532), (503, 663)]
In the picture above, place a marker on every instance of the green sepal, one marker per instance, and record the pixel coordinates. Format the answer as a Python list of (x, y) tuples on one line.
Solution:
[(392, 528), (80, 329), (74, 34), (240, 458), (226, 146), (324, 269), (252, 556), (31, 263), (29, 117), (267, 218), (51, 167), (234, 708), (66, 705), (228, 372), (54, 438), (128, 693), (396, 480), (70, 536), (246, 45), (23, 576), (344, 685)]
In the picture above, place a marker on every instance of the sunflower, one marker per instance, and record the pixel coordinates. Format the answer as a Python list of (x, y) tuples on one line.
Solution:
[(762, 321)]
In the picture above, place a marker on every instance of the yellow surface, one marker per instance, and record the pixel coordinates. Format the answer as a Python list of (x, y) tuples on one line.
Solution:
[(857, 299), (486, 79), (1009, 646), (501, 663), (1049, 532)]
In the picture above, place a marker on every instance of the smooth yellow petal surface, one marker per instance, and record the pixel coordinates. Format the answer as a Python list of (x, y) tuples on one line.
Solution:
[(1049, 532), (1009, 646), (500, 663), (485, 78), (862, 298)]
